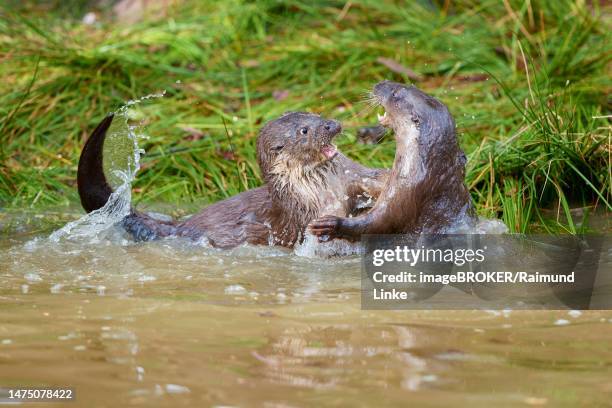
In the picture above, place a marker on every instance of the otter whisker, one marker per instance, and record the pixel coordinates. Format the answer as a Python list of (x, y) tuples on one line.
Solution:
[(369, 101), (369, 95), (366, 110)]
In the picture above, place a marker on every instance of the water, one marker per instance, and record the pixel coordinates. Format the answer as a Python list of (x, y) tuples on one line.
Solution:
[(175, 323), (171, 323)]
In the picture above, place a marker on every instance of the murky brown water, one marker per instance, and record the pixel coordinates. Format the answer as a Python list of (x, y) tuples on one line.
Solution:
[(171, 324)]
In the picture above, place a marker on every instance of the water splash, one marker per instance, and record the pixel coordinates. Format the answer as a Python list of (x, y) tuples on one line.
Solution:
[(480, 226), (312, 248), (124, 164)]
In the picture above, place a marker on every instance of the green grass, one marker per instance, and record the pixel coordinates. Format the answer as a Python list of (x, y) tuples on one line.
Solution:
[(537, 132)]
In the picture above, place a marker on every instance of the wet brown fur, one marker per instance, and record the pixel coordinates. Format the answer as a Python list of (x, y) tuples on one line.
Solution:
[(301, 185), (425, 191)]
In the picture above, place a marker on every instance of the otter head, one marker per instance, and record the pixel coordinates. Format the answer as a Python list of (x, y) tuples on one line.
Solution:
[(297, 143), (416, 117)]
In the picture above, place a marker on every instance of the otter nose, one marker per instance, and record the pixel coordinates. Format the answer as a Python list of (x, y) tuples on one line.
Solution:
[(384, 87), (332, 127)]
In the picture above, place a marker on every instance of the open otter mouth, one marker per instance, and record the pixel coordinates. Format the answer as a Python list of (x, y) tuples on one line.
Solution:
[(329, 151), (384, 119)]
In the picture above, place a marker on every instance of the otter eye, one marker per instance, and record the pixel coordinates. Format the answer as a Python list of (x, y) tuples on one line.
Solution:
[(304, 130)]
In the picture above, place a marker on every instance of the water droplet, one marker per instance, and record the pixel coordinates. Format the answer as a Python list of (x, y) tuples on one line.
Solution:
[(57, 288), (32, 277), (176, 389), (235, 290)]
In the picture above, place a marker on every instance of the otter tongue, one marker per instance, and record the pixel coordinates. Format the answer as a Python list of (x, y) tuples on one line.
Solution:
[(329, 151)]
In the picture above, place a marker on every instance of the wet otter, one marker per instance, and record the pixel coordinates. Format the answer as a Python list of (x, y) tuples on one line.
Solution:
[(425, 192), (306, 178), (371, 134)]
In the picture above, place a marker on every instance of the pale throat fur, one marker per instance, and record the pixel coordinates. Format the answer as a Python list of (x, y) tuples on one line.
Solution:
[(298, 185), (409, 165)]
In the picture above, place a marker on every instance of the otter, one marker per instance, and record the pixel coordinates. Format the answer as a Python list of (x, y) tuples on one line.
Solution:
[(305, 177), (371, 134), (425, 192)]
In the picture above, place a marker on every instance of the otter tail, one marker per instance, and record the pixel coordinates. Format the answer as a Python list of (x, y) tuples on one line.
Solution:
[(95, 191), (93, 187)]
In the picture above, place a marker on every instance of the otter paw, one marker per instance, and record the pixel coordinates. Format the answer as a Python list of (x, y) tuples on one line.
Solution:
[(325, 227)]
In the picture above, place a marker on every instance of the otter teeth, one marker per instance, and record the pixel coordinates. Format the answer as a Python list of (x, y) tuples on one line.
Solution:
[(382, 119)]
